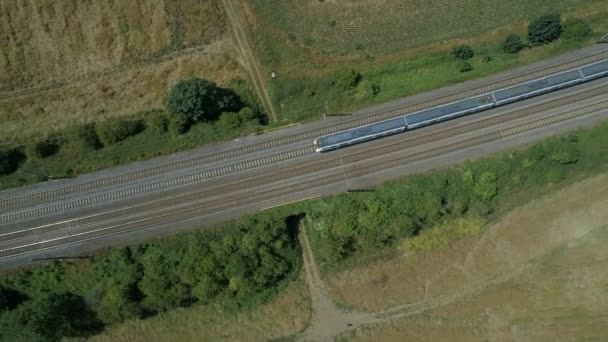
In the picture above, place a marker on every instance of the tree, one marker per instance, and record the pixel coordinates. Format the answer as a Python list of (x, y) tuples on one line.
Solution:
[(49, 317), (10, 159), (465, 66), (575, 28), (198, 99), (512, 44), (9, 298), (463, 52), (544, 29)]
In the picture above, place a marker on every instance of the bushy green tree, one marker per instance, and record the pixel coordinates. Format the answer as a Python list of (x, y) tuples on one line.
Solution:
[(486, 187), (112, 131), (463, 52), (198, 99), (512, 44), (10, 159), (576, 28), (10, 298), (544, 29)]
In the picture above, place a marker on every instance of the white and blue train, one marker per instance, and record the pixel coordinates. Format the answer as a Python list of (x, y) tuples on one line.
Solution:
[(463, 107)]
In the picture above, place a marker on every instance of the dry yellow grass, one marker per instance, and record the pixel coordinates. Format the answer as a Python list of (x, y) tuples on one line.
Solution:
[(287, 314), (525, 235), (64, 62)]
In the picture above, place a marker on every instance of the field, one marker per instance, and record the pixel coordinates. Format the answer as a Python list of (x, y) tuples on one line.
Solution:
[(536, 275), (398, 46), (67, 62)]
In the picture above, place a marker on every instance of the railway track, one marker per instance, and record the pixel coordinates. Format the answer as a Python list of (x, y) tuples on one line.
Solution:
[(12, 221), (362, 163), (53, 194)]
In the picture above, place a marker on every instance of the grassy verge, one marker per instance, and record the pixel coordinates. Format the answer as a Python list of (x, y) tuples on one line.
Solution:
[(306, 81)]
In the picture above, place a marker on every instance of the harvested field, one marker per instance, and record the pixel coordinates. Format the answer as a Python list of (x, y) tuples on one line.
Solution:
[(67, 62)]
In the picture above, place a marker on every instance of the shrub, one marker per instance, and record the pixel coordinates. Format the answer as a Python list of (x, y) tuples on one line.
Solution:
[(247, 114), (178, 124), (544, 29), (463, 52), (512, 44), (115, 130), (575, 28), (84, 137), (229, 121), (465, 66), (10, 159), (486, 187), (198, 99), (42, 149), (487, 59), (346, 79), (157, 121)]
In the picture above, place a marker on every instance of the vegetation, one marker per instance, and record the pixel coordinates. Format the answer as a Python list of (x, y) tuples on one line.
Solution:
[(115, 130), (198, 99), (513, 44), (443, 235), (545, 29), (576, 28), (10, 159), (240, 265), (463, 52), (348, 229)]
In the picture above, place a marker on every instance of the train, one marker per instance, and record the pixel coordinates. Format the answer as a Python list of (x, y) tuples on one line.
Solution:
[(462, 107)]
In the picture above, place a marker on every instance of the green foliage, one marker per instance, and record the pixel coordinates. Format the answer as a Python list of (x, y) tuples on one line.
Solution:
[(442, 235), (544, 29), (576, 28), (42, 149), (10, 159), (229, 120), (486, 187), (462, 52), (48, 317), (512, 44), (115, 130), (158, 121), (84, 138), (346, 79), (465, 66), (178, 125), (239, 265), (198, 99)]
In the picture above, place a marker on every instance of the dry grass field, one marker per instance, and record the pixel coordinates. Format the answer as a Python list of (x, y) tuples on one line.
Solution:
[(64, 62), (537, 274)]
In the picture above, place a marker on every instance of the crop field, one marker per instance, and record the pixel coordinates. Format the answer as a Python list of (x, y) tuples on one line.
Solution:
[(345, 27), (65, 62)]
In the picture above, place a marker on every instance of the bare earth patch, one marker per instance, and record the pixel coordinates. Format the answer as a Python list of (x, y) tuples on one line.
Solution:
[(525, 235)]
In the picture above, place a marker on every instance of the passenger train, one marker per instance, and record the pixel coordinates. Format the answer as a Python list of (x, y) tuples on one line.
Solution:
[(463, 107)]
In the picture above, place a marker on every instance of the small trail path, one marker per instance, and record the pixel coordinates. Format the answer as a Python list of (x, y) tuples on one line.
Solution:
[(237, 21)]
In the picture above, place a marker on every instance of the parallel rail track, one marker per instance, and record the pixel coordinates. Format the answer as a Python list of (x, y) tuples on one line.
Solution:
[(13, 220), (39, 197), (361, 163)]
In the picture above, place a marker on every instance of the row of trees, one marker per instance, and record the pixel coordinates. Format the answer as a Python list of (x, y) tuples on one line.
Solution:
[(541, 30), (347, 225), (242, 264)]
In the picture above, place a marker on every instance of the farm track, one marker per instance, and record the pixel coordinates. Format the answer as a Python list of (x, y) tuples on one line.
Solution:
[(360, 163), (12, 221), (55, 194)]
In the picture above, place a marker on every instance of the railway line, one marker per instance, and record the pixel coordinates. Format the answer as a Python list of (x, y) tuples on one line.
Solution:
[(35, 198), (14, 220), (258, 188)]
